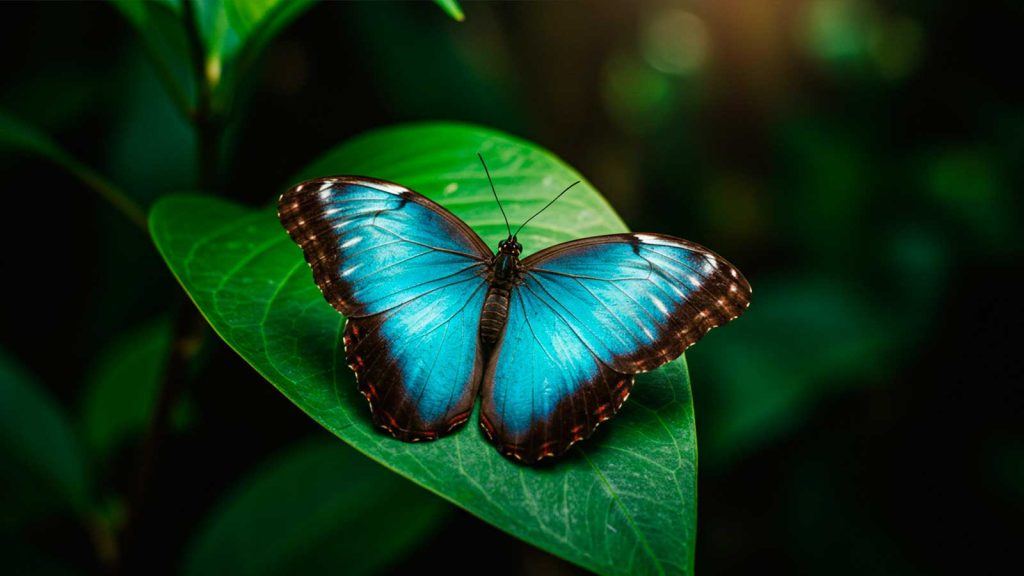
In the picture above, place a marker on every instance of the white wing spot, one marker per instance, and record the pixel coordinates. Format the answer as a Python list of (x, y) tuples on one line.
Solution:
[(348, 271), (352, 241), (693, 280), (659, 305)]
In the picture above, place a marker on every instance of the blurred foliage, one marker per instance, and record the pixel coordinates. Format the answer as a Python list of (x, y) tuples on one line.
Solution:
[(316, 508), (43, 469), (120, 391), (858, 160)]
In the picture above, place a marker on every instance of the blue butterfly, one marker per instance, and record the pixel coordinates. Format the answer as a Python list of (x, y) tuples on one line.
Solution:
[(551, 342)]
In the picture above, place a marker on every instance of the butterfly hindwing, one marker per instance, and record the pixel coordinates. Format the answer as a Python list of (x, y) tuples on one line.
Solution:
[(409, 277), (587, 316)]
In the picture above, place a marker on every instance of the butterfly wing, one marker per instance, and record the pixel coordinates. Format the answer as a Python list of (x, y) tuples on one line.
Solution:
[(589, 315), (409, 277)]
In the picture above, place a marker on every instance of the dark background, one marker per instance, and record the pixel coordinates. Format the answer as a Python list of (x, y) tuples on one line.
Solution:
[(860, 162)]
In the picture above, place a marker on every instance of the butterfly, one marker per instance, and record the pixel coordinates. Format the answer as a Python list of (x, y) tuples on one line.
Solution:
[(551, 342)]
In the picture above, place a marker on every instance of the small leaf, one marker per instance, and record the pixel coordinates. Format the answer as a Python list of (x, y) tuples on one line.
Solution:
[(41, 462), (318, 508), (451, 8), (235, 34), (622, 502)]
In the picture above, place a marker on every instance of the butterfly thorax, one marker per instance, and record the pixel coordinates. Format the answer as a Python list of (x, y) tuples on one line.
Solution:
[(503, 276)]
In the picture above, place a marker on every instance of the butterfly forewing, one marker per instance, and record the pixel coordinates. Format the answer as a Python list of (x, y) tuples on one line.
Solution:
[(409, 276)]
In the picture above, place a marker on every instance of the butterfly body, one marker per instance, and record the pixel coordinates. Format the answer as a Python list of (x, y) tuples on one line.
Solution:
[(504, 274), (550, 342)]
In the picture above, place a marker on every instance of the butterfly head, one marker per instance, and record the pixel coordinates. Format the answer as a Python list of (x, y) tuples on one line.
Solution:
[(510, 246)]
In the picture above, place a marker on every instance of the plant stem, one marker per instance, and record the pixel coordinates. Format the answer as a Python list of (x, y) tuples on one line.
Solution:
[(106, 189), (207, 124), (20, 135)]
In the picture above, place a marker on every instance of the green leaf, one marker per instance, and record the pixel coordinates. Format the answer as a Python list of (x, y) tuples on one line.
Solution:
[(318, 508), (161, 33), (121, 389), (41, 463), (622, 502), (451, 8), (235, 33)]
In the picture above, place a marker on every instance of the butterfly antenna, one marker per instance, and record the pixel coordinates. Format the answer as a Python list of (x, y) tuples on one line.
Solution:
[(545, 207), (507, 227)]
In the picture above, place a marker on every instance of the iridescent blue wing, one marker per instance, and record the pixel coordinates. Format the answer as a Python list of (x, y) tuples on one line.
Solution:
[(589, 315), (409, 276)]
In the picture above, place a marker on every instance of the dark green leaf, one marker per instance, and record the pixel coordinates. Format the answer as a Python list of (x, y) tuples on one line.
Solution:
[(161, 33), (121, 390), (318, 508), (621, 502), (41, 462), (451, 8)]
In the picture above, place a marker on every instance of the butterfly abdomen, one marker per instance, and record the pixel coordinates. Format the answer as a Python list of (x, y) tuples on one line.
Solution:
[(495, 313)]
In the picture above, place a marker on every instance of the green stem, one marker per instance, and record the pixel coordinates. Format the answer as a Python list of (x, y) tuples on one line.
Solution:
[(208, 126), (19, 135), (106, 189)]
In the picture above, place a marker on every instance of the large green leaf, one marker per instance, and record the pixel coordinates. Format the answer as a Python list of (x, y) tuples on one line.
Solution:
[(622, 502), (318, 508)]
